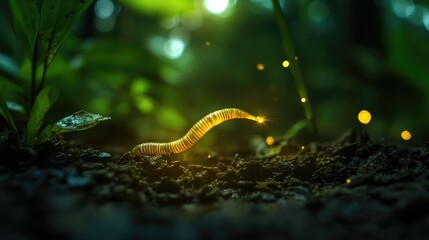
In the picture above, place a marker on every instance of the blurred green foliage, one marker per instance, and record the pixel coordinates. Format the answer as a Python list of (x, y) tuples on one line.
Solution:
[(42, 27), (157, 67)]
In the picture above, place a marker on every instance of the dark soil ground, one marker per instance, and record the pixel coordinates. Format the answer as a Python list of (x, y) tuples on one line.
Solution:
[(66, 191)]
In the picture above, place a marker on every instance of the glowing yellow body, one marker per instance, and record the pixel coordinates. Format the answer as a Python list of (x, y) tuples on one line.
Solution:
[(194, 134)]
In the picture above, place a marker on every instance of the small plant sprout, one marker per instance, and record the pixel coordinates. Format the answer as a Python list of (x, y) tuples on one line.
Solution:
[(194, 134), (293, 66), (42, 27)]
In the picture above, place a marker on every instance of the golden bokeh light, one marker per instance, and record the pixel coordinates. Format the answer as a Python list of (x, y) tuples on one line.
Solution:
[(269, 140), (209, 156), (348, 180), (364, 117), (285, 63), (303, 100), (260, 66), (208, 43), (406, 135), (302, 147)]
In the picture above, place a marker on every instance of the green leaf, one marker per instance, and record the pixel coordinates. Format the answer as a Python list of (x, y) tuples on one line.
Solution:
[(10, 91), (26, 20), (78, 121), (44, 101), (57, 20), (294, 66), (43, 25), (4, 111)]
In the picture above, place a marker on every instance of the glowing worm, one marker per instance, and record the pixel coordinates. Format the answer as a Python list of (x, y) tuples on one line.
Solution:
[(194, 134)]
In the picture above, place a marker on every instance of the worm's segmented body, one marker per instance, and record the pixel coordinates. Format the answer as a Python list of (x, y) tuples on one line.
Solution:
[(194, 134)]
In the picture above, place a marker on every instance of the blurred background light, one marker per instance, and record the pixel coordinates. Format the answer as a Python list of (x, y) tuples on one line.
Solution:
[(417, 16), (285, 63), (364, 117), (403, 8), (104, 9), (173, 48), (406, 135), (216, 6), (269, 140), (169, 22), (156, 45), (105, 12), (426, 20), (263, 3), (191, 20)]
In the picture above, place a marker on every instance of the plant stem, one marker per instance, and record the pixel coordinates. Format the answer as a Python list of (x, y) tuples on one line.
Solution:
[(294, 67), (42, 81)]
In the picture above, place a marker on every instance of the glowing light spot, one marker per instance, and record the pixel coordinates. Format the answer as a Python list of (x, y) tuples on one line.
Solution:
[(302, 147), (104, 9), (174, 47), (260, 119), (269, 140), (260, 66), (403, 8), (144, 104), (426, 20), (406, 135), (208, 43), (303, 100), (418, 15), (285, 63), (216, 6), (209, 156), (364, 117), (296, 58), (348, 180)]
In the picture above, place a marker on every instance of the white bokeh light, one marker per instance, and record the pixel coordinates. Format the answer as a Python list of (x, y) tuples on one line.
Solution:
[(104, 9), (173, 48), (216, 6)]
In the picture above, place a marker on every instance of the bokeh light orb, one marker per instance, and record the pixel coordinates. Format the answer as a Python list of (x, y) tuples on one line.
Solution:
[(216, 6), (364, 117), (285, 63), (406, 135), (270, 140)]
